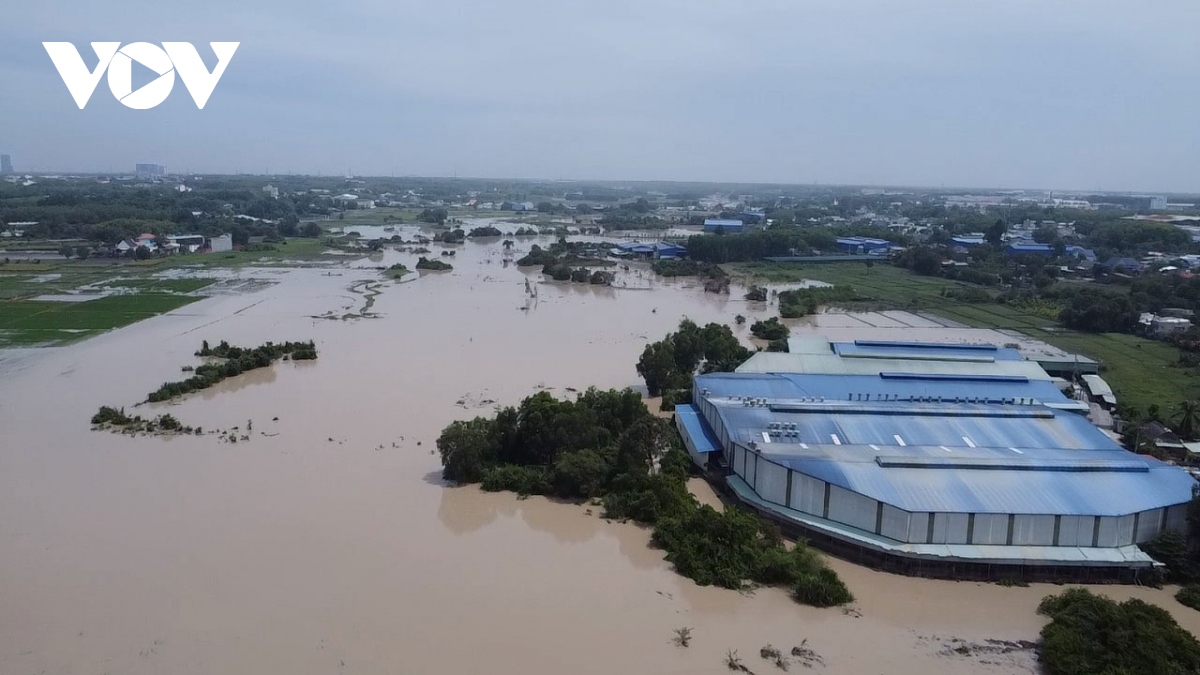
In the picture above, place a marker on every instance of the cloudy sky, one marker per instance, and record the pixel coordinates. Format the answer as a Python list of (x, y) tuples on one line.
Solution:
[(1086, 95)]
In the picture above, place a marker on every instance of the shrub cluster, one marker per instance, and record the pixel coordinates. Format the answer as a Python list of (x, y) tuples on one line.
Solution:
[(233, 361), (771, 329), (1090, 634), (424, 263)]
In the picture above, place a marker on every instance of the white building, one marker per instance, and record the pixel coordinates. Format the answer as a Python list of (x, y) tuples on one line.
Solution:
[(221, 243), (1158, 203), (271, 191)]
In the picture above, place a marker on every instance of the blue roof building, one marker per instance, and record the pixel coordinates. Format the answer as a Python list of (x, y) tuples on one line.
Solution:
[(968, 241), (727, 225), (1029, 248), (1081, 252), (927, 470), (658, 250), (863, 245)]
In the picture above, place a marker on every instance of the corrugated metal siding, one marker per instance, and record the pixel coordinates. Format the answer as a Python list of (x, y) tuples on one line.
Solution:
[(808, 494), (772, 482), (1149, 525), (1033, 530), (895, 523), (1076, 530), (1125, 530), (751, 468), (918, 528), (1108, 532), (738, 461), (956, 528), (1177, 518), (990, 529), (852, 509), (940, 528)]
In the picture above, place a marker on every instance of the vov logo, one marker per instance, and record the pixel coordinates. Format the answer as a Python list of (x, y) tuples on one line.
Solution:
[(171, 58)]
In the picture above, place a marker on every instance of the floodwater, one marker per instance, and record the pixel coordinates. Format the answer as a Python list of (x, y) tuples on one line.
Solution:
[(327, 543)]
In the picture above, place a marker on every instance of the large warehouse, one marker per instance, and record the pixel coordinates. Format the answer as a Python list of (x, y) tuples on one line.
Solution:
[(946, 460)]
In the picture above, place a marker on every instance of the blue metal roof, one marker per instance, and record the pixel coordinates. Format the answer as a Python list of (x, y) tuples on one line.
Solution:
[(905, 443), (925, 350), (1117, 491), (885, 386), (697, 429)]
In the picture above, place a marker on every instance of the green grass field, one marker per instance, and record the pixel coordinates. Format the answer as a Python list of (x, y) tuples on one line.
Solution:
[(31, 322), (1142, 372), (25, 321)]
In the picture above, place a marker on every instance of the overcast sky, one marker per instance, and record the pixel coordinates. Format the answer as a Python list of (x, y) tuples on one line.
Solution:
[(1086, 95)]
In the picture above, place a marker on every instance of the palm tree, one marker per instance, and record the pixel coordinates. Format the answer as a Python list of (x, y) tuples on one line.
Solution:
[(1187, 419)]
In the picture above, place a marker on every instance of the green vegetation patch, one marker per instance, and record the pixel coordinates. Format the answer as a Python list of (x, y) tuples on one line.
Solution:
[(1092, 635), (32, 322), (171, 285)]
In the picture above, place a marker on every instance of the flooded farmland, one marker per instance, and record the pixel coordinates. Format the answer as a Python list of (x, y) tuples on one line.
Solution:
[(327, 543)]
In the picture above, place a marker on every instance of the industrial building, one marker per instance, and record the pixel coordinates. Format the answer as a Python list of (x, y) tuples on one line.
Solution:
[(932, 459), (150, 171), (658, 250), (864, 245), (726, 225)]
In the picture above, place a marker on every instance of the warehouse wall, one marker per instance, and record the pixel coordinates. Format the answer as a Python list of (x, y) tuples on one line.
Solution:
[(777, 484)]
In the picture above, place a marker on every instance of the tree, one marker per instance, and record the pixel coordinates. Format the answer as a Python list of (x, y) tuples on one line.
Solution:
[(657, 367), (1099, 311), (82, 252), (995, 233), (1090, 634), (142, 253), (436, 216), (1045, 234), (66, 250), (467, 448), (311, 230), (1187, 419)]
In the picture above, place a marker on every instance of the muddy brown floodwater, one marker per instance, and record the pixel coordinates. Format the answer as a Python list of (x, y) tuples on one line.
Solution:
[(328, 544)]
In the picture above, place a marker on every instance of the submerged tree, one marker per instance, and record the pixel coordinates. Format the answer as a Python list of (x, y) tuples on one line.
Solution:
[(1187, 419)]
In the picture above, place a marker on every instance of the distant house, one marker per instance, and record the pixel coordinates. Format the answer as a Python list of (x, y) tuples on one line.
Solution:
[(186, 243), (1028, 248), (863, 245), (221, 243), (147, 240), (1162, 326), (1122, 266), (968, 242), (727, 225), (1081, 252)]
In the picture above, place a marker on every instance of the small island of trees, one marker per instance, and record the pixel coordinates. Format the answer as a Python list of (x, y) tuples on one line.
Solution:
[(232, 361), (1090, 634), (424, 263), (606, 445)]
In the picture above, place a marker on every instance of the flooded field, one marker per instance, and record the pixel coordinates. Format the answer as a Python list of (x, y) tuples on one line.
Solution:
[(327, 543)]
